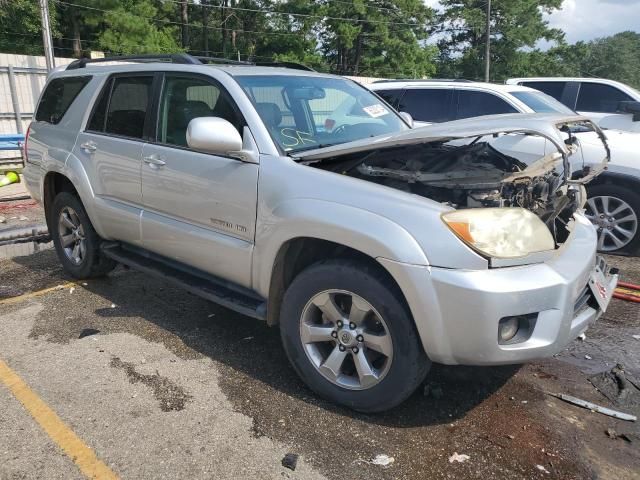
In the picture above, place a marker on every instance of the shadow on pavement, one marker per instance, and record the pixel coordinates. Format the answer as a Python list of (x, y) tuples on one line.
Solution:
[(190, 326)]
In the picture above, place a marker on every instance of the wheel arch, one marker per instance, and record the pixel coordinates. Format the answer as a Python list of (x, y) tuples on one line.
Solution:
[(298, 253), (615, 178)]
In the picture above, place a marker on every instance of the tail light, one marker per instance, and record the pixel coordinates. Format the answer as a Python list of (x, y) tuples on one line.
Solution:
[(26, 141)]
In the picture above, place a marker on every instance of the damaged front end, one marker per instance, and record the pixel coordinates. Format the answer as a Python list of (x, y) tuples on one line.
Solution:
[(493, 163)]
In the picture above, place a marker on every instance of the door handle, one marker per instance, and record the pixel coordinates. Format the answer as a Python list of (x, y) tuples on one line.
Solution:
[(154, 161), (89, 147)]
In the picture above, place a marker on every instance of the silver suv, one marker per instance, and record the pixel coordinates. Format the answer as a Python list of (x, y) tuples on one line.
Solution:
[(304, 200)]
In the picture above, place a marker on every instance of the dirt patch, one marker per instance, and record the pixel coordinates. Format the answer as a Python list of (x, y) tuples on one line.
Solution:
[(170, 396)]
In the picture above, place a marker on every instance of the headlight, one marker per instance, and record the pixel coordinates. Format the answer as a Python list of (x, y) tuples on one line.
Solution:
[(500, 232)]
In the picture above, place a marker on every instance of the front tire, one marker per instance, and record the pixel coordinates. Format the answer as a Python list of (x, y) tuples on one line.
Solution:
[(77, 243), (350, 337), (615, 212)]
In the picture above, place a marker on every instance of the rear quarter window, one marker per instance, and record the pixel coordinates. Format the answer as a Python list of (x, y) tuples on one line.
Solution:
[(58, 97)]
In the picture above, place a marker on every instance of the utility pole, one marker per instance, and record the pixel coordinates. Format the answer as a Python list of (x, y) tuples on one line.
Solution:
[(46, 35), (487, 54)]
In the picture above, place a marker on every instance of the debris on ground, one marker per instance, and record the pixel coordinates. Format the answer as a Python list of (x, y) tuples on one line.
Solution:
[(247, 338), (72, 289), (595, 408), (23, 218), (588, 357), (542, 469), (618, 386), (613, 435), (460, 458), (290, 461), (582, 337), (3, 219), (88, 332), (637, 337), (113, 305), (383, 460)]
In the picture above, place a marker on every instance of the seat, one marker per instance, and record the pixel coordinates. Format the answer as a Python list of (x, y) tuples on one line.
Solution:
[(179, 117), (270, 113)]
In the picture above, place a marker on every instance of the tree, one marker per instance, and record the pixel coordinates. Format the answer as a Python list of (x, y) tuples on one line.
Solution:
[(515, 25), (615, 57), (130, 28), (377, 37), (21, 26)]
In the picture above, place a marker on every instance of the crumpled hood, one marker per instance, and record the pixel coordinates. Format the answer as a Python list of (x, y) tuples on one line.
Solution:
[(543, 125)]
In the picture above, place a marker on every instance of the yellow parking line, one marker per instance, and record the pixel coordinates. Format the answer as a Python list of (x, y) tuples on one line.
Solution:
[(26, 296), (62, 435)]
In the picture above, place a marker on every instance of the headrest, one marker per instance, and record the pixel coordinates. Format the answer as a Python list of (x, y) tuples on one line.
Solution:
[(270, 113)]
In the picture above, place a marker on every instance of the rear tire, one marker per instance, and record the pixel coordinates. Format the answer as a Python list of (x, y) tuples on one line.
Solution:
[(615, 212), (371, 365), (77, 243)]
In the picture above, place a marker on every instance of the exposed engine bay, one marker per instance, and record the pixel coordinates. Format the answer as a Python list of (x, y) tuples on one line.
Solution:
[(473, 175), (532, 161)]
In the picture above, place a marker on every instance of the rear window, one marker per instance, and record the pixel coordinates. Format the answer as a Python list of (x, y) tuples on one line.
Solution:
[(58, 97), (432, 105), (478, 104), (122, 107), (553, 89)]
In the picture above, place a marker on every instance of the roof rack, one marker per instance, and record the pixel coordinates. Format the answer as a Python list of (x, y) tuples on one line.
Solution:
[(293, 65), (223, 61), (431, 80), (182, 58)]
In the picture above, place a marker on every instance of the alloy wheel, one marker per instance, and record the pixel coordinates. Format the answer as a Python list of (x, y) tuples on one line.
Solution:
[(616, 221), (346, 339), (71, 234)]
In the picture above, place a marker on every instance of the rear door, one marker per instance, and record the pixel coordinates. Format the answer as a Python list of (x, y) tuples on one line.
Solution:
[(110, 147), (199, 208), (474, 103)]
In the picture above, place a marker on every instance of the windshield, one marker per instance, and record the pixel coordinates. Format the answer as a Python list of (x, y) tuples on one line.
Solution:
[(542, 103), (305, 113)]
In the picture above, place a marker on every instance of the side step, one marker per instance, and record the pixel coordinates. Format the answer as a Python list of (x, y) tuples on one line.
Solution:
[(199, 283)]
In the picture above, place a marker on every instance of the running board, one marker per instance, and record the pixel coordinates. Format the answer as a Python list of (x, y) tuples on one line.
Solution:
[(198, 283)]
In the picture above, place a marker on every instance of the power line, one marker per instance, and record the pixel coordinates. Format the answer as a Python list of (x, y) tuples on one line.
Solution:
[(302, 15)]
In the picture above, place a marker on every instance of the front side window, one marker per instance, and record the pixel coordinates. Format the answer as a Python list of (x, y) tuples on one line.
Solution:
[(477, 104), (186, 98), (305, 112), (596, 97), (58, 97), (428, 105), (542, 103), (122, 107)]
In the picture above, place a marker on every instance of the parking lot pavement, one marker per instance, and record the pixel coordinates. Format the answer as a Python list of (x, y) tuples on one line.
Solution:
[(155, 382)]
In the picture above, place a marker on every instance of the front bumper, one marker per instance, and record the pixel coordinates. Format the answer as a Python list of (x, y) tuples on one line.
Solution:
[(457, 312)]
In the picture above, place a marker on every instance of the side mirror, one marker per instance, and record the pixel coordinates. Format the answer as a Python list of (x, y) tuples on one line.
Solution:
[(630, 107), (407, 118), (214, 135)]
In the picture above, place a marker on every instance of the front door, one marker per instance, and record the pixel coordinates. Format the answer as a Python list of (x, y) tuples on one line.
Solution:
[(199, 209)]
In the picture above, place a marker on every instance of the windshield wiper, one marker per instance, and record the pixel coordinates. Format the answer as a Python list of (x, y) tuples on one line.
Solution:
[(312, 147)]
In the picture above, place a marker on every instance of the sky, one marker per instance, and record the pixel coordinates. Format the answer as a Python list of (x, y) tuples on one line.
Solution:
[(589, 19)]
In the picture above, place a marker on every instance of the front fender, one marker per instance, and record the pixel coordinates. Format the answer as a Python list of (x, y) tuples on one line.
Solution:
[(367, 232)]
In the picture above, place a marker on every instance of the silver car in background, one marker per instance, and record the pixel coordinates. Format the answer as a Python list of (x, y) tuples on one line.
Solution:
[(376, 248)]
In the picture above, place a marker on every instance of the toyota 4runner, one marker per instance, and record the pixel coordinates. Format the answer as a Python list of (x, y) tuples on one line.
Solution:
[(304, 200)]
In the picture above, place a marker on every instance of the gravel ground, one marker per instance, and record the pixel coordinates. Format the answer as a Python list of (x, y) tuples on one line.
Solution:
[(160, 383)]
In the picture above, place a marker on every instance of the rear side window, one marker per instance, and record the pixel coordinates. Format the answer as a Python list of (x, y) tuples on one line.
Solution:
[(553, 89), (478, 104), (392, 97), (122, 107), (58, 97), (595, 97), (428, 105)]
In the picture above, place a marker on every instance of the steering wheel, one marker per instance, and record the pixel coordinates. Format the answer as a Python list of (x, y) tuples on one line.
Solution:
[(340, 129)]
